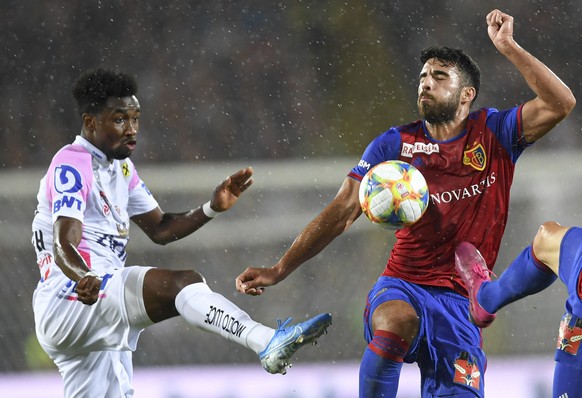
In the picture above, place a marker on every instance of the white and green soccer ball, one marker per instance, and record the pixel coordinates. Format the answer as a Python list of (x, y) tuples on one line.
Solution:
[(394, 194)]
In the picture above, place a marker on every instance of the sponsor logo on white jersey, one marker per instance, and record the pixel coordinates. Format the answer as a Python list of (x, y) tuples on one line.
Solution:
[(67, 179)]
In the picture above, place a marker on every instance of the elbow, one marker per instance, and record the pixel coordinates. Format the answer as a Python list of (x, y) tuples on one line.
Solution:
[(160, 242), (567, 105), (160, 239), (571, 103)]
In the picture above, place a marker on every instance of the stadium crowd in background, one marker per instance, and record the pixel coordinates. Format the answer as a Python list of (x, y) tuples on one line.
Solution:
[(261, 80)]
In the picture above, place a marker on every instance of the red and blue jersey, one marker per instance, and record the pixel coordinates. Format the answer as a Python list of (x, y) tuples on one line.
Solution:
[(469, 179)]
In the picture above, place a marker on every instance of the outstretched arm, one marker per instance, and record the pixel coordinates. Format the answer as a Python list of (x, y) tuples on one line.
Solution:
[(554, 100), (336, 218), (164, 228)]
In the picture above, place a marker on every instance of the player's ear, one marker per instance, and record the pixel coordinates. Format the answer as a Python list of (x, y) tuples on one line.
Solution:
[(89, 122), (468, 94)]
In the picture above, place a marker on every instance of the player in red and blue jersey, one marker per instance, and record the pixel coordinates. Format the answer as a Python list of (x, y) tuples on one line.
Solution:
[(461, 206), (417, 310)]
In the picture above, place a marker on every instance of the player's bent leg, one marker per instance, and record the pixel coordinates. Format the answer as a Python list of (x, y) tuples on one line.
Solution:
[(137, 313), (547, 243), (525, 276), (532, 271), (160, 288), (212, 312)]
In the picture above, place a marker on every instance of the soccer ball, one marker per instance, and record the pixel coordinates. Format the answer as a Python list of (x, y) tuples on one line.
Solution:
[(394, 194)]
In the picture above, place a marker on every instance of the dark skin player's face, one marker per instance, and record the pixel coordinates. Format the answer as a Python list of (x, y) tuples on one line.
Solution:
[(114, 129)]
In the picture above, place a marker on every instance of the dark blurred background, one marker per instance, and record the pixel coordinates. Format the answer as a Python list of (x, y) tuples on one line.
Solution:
[(257, 80), (236, 83)]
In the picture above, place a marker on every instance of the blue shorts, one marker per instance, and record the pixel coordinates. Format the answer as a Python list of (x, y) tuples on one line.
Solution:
[(448, 348), (568, 350)]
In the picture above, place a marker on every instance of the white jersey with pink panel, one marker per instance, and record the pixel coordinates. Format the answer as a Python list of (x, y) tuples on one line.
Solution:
[(81, 183)]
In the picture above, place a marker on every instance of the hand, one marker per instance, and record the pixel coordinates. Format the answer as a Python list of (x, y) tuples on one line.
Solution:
[(88, 289), (227, 193), (254, 280), (500, 29)]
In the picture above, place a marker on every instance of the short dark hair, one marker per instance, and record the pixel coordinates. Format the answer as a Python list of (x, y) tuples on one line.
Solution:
[(92, 89), (454, 57)]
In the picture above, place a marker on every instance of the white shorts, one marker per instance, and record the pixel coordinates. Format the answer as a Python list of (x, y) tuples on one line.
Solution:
[(93, 342)]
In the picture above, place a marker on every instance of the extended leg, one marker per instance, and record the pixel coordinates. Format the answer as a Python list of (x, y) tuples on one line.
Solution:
[(525, 276), (170, 293)]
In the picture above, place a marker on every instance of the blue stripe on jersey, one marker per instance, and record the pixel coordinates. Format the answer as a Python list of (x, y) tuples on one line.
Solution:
[(508, 128)]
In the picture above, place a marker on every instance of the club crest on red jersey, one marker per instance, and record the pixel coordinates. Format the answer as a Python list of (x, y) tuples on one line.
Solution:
[(475, 157), (467, 371)]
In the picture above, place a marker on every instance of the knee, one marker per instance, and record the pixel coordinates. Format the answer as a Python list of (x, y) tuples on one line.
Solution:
[(397, 317), (543, 236), (185, 278)]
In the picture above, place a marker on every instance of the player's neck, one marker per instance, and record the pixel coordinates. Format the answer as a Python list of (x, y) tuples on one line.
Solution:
[(445, 131)]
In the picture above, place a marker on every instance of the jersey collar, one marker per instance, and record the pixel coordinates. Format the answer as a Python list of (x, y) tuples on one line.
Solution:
[(92, 149)]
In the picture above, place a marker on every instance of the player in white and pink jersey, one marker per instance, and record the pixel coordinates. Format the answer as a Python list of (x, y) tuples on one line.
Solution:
[(72, 187), (89, 308), (418, 309)]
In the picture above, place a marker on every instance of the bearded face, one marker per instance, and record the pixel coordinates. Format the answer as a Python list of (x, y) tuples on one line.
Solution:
[(438, 112)]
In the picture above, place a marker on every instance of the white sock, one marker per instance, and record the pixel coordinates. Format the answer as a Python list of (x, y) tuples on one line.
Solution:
[(212, 312)]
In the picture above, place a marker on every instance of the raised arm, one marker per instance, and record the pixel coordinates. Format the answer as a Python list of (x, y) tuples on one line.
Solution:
[(335, 218), (163, 228), (554, 100)]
